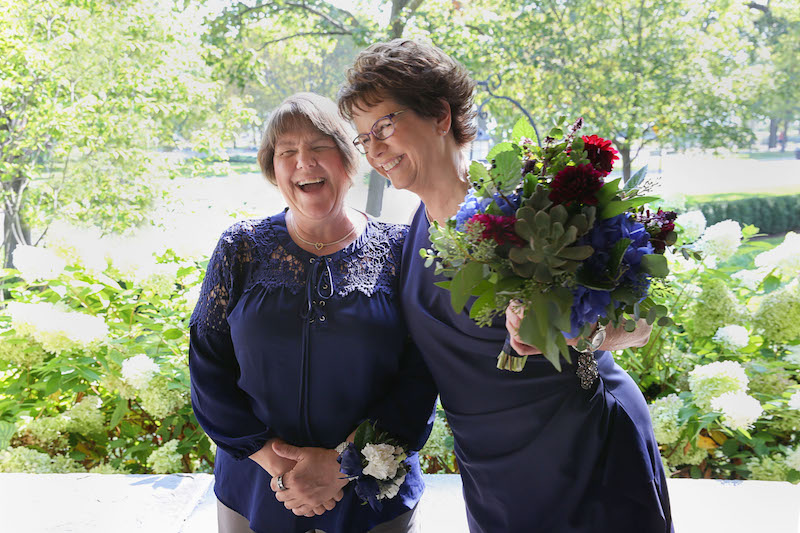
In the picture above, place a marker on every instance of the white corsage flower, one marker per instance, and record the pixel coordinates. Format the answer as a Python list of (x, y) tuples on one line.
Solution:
[(382, 463)]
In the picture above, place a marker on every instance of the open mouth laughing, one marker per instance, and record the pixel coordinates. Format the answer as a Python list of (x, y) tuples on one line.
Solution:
[(310, 184)]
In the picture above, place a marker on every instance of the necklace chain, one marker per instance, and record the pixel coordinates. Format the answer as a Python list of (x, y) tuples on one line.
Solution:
[(319, 245)]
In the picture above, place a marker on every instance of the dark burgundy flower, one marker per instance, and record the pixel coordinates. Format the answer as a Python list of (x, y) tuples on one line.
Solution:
[(600, 153), (529, 167), (498, 227), (578, 184), (658, 225)]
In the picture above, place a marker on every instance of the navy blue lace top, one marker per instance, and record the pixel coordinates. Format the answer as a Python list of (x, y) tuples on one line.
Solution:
[(285, 343)]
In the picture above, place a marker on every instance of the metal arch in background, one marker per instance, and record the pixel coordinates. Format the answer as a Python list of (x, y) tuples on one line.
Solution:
[(491, 85)]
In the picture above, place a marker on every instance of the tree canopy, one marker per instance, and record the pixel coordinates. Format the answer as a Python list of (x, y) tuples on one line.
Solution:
[(89, 91)]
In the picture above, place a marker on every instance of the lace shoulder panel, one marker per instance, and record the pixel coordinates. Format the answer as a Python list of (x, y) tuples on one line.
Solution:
[(222, 285), (375, 266)]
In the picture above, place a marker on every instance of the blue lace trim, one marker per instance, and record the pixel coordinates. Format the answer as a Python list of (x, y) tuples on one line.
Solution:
[(252, 254)]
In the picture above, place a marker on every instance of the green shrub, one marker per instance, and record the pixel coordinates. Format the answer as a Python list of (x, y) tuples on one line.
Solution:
[(724, 402), (772, 214)]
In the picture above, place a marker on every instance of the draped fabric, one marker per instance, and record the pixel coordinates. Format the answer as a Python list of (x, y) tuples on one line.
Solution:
[(537, 452)]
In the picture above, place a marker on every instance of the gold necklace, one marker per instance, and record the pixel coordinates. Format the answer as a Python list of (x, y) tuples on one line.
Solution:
[(319, 245)]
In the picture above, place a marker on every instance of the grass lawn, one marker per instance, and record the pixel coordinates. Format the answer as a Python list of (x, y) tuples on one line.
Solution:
[(719, 197)]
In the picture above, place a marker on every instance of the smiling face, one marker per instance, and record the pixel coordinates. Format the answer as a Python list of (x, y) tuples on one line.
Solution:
[(310, 174), (407, 157)]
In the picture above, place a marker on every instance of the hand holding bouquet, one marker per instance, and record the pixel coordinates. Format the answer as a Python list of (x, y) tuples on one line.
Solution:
[(541, 226)]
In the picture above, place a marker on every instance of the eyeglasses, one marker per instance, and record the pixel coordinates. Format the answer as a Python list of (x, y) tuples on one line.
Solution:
[(381, 130)]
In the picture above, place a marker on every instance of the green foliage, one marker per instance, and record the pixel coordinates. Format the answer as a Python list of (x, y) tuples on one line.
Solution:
[(771, 214), (438, 455), (113, 396), (84, 111), (688, 365)]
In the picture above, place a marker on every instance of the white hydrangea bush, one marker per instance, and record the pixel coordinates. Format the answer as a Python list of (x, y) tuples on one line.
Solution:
[(722, 381), (721, 241), (93, 350)]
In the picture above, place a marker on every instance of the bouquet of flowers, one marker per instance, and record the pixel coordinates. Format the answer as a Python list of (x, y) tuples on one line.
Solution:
[(377, 464), (541, 226)]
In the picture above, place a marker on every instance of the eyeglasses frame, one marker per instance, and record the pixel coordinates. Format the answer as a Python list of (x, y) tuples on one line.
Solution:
[(362, 145)]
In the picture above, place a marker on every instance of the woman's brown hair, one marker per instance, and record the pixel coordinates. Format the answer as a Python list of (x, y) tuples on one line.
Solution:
[(416, 75)]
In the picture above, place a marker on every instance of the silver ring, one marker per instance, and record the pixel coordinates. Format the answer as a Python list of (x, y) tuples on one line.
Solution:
[(279, 481)]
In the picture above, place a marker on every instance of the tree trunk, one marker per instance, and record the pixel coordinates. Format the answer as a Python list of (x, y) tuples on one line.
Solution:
[(772, 142), (625, 152), (376, 181), (784, 138), (10, 241), (375, 193)]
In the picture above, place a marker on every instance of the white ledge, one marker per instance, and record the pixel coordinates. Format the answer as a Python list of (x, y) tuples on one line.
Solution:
[(184, 503)]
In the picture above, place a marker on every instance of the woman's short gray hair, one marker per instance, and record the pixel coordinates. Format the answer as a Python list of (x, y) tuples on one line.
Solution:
[(302, 110)]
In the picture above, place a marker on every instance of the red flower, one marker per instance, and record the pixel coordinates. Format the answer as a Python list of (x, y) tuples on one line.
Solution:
[(600, 153), (497, 227), (578, 184)]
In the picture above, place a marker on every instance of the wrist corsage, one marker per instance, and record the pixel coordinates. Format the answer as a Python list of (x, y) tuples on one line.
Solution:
[(377, 464)]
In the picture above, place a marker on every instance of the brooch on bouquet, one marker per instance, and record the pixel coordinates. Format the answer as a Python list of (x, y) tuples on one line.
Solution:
[(376, 462), (541, 226)]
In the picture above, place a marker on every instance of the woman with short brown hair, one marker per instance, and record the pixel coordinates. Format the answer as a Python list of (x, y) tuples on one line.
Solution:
[(537, 452)]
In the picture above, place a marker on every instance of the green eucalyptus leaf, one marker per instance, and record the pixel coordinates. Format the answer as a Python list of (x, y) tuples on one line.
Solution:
[(636, 180), (614, 208)]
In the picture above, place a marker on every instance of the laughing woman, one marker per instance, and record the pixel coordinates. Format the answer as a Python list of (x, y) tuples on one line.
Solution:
[(537, 452), (298, 337)]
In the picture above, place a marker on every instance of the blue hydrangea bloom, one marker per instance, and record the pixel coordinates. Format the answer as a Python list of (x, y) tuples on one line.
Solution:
[(588, 303), (587, 306), (508, 209), (471, 206)]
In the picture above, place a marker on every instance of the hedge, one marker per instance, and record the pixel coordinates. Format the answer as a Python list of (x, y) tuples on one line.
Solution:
[(771, 214)]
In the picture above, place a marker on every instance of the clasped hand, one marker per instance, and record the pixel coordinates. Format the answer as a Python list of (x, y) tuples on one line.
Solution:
[(314, 485)]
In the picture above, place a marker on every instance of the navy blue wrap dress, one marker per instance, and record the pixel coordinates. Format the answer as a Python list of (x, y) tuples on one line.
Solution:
[(537, 452), (302, 347)]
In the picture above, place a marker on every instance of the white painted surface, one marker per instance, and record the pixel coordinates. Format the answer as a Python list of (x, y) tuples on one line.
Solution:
[(184, 503)]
